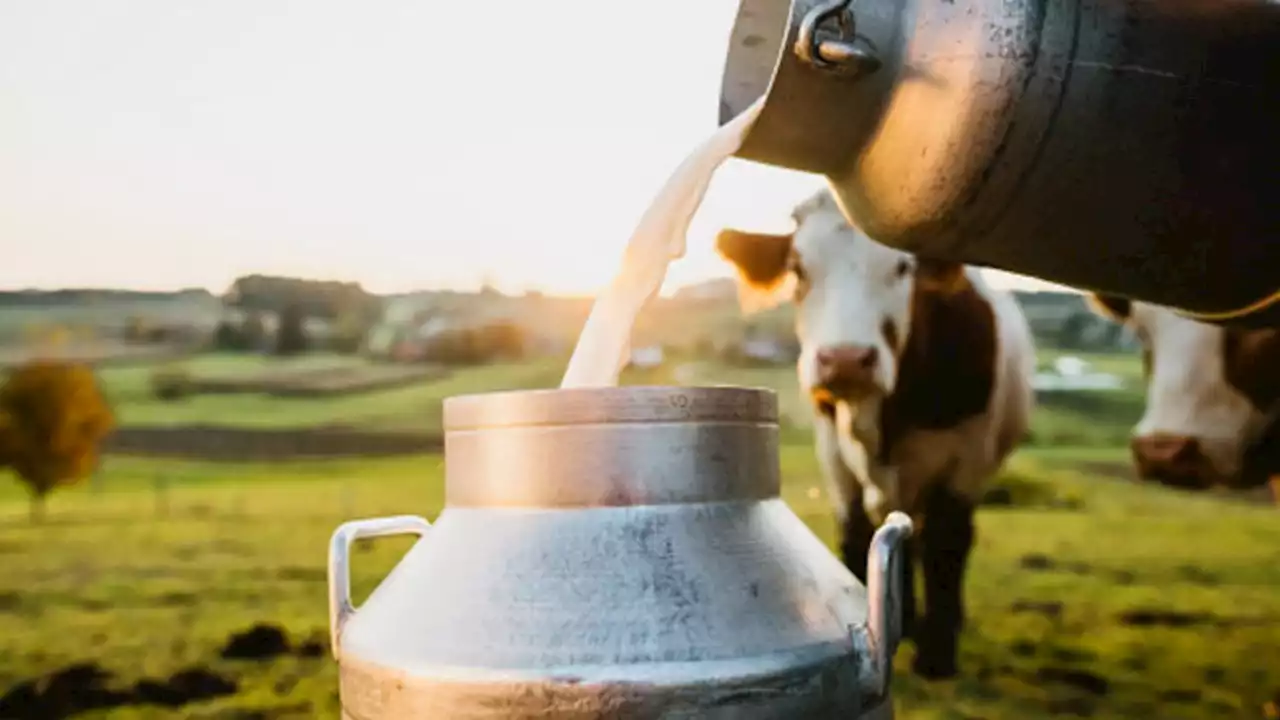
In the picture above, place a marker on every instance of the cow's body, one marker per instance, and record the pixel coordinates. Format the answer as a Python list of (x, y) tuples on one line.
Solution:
[(920, 376), (1213, 399)]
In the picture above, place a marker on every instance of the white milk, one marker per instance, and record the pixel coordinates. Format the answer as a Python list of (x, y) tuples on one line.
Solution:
[(605, 342)]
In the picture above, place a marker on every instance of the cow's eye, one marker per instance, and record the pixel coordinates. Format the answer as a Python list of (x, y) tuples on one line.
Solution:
[(904, 267)]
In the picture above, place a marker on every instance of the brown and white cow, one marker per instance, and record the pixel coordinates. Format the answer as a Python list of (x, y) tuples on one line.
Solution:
[(920, 380), (1213, 395)]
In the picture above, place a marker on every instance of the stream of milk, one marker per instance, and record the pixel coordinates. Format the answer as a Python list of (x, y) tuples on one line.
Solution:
[(605, 343)]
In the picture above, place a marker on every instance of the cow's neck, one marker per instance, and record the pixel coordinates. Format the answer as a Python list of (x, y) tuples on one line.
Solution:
[(1251, 365), (946, 373)]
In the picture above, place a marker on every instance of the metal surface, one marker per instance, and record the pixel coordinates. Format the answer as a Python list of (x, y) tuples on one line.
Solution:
[(557, 583), (589, 448), (884, 588), (1127, 146), (340, 606)]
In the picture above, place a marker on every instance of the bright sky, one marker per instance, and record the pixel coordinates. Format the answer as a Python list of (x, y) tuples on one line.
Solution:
[(404, 144)]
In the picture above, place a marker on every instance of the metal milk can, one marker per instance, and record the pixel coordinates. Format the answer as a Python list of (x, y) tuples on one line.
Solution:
[(615, 553), (1128, 146)]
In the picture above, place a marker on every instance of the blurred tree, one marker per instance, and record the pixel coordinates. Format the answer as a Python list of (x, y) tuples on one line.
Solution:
[(1071, 336), (501, 339), (53, 417), (291, 336), (228, 336), (253, 332), (316, 298), (348, 335)]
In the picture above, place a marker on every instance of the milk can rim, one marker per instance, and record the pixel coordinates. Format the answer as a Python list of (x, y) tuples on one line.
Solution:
[(611, 405)]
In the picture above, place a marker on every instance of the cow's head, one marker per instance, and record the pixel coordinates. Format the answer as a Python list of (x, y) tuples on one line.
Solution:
[(853, 297), (1209, 389)]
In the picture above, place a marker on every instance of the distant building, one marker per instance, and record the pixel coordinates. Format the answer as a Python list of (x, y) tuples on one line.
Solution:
[(766, 350), (1071, 373), (647, 357)]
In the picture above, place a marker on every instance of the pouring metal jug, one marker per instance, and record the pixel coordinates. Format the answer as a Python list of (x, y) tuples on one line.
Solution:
[(615, 553), (1128, 146)]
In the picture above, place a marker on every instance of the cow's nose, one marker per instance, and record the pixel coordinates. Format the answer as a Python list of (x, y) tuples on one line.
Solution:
[(846, 365), (1170, 459)]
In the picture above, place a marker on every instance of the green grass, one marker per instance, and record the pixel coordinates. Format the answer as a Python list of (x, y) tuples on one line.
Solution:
[(149, 569), (413, 407), (110, 579), (416, 407)]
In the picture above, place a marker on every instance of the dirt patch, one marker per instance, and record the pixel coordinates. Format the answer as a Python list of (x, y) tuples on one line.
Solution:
[(260, 642), (1198, 576), (1166, 618), (1037, 561), (1074, 656), (1015, 490), (184, 687), (73, 689), (302, 573), (177, 599), (231, 444), (1023, 648), (312, 649), (85, 687), (1112, 469), (1182, 696), (1048, 608), (1072, 707), (1076, 678)]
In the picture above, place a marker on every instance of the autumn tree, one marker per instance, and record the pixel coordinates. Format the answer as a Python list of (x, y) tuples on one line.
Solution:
[(53, 418)]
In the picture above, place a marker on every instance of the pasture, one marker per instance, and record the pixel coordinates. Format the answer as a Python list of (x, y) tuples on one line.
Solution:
[(1089, 596)]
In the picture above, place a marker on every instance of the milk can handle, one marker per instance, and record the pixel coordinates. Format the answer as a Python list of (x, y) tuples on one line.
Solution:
[(851, 55), (340, 607), (884, 591)]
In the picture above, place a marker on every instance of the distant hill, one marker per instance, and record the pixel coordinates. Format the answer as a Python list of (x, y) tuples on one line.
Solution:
[(699, 313), (104, 311), (89, 296)]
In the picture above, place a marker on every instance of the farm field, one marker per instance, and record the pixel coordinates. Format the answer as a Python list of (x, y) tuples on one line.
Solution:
[(1088, 597), (139, 595), (413, 407)]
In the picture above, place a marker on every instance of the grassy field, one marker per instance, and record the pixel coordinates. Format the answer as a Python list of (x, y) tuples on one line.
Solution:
[(1089, 596), (414, 407)]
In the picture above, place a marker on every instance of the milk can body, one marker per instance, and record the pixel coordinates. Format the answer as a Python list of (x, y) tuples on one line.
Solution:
[(1118, 145), (615, 553)]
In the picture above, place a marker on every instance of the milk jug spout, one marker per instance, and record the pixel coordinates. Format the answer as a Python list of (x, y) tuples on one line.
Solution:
[(1125, 146)]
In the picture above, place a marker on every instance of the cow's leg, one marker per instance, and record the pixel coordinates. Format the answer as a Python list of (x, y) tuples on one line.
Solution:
[(855, 540), (845, 492), (854, 546), (946, 539), (849, 494)]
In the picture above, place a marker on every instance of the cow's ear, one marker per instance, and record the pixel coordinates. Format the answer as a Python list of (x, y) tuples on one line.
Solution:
[(940, 276), (762, 262), (1112, 307)]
